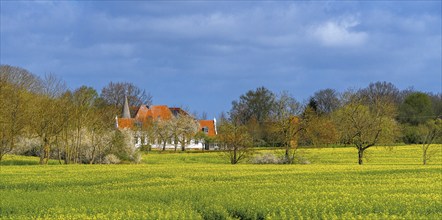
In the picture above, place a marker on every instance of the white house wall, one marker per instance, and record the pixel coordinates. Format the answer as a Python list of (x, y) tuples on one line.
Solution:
[(191, 146)]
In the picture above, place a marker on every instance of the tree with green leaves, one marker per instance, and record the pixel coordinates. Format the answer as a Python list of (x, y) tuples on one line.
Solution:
[(14, 115), (365, 127), (416, 109), (17, 86)]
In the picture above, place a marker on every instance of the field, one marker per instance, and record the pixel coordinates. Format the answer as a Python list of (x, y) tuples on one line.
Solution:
[(390, 185)]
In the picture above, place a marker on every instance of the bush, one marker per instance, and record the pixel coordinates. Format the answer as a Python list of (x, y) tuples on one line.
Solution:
[(300, 160), (267, 158), (111, 159), (410, 135), (136, 157)]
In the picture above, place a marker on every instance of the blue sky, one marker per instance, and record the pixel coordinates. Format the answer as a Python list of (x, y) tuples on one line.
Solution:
[(203, 55)]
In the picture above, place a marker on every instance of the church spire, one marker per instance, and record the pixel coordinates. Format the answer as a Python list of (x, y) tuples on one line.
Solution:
[(126, 111)]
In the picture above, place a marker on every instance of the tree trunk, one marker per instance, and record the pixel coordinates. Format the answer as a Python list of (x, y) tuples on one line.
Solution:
[(234, 156), (94, 148), (93, 155), (360, 155), (424, 156), (59, 155), (42, 155)]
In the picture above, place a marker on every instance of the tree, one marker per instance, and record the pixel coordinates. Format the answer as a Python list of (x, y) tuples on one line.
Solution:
[(83, 102), (114, 93), (20, 77), (286, 124), (235, 141), (326, 101), (258, 103), (380, 92), (187, 127), (14, 115), (319, 129), (164, 131), (436, 100), (365, 127), (416, 109), (254, 109), (16, 88), (48, 115), (99, 133), (429, 132)]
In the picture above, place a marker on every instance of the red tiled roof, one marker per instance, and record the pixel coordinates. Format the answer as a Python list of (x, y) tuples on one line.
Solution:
[(210, 124), (126, 123), (154, 112)]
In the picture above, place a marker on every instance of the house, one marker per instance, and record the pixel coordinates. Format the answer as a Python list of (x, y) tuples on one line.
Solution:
[(147, 115)]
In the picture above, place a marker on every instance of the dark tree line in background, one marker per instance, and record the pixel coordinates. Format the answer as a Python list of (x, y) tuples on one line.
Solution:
[(41, 117)]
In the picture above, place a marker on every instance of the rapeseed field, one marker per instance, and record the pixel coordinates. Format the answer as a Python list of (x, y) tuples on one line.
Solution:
[(390, 185)]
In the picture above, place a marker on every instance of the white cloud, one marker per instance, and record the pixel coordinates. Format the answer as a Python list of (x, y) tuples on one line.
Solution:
[(339, 33)]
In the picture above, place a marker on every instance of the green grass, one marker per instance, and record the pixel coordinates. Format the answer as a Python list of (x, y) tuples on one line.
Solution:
[(391, 185)]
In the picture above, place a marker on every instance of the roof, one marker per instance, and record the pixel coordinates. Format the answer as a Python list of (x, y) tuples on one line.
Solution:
[(126, 123), (210, 124), (153, 112), (163, 112)]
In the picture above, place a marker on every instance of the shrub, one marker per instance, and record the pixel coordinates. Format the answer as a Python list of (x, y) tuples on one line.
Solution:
[(136, 157), (267, 158), (111, 159)]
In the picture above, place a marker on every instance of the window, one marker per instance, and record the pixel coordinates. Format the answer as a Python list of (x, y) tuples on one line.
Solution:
[(205, 129)]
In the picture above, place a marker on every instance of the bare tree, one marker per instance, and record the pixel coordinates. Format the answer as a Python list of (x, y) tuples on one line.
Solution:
[(326, 100), (380, 92), (20, 77), (287, 125), (429, 133), (235, 141), (49, 117), (255, 103), (114, 93)]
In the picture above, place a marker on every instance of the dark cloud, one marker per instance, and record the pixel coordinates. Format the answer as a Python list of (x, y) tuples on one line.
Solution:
[(203, 55)]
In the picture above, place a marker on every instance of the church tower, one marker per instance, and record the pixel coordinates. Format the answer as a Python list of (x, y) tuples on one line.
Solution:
[(126, 111)]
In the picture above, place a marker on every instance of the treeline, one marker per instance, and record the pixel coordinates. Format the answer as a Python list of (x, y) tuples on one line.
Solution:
[(377, 114), (41, 117)]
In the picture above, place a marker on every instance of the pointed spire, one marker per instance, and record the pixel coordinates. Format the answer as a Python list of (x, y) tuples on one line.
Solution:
[(126, 111)]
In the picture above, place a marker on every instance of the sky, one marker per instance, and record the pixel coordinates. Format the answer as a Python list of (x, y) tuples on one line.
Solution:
[(202, 55)]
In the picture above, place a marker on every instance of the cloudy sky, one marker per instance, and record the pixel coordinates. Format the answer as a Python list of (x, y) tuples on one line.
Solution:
[(202, 55)]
